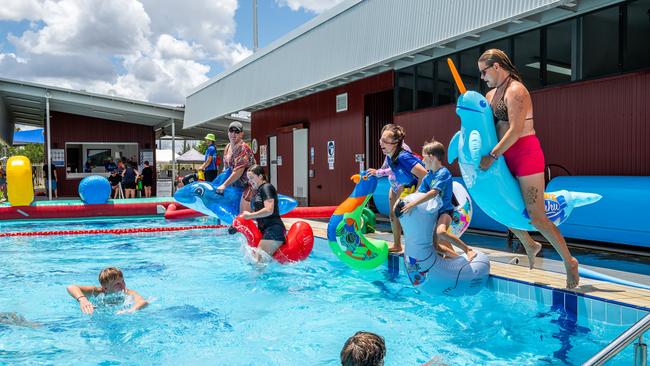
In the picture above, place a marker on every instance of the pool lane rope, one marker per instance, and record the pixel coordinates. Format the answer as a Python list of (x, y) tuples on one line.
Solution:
[(115, 231)]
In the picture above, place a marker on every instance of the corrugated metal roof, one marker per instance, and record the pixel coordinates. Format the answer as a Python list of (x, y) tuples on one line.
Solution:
[(357, 39)]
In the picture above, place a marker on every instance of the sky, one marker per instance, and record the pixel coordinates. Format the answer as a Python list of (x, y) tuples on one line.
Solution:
[(149, 50)]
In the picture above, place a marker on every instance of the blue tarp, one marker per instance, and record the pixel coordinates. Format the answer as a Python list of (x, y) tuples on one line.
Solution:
[(28, 137)]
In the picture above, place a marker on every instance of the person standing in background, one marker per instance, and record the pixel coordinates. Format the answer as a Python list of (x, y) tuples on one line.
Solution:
[(209, 167)]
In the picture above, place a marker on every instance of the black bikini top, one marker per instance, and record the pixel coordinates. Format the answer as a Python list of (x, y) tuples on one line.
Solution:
[(499, 108)]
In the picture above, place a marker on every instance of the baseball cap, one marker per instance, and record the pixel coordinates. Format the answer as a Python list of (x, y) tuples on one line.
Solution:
[(237, 125)]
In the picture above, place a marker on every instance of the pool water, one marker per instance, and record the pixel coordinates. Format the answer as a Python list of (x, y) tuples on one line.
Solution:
[(209, 307)]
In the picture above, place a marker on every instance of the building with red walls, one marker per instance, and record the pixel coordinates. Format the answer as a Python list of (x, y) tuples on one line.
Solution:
[(320, 96)]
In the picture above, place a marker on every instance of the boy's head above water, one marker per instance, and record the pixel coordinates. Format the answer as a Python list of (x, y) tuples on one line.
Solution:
[(111, 280)]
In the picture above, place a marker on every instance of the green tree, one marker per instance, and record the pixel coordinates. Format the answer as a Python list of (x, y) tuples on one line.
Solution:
[(33, 152), (201, 146)]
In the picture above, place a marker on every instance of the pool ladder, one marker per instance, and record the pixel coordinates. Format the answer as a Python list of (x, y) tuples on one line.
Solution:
[(633, 333)]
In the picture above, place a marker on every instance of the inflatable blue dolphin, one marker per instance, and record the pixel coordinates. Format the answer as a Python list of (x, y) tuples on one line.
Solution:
[(203, 197), (496, 191)]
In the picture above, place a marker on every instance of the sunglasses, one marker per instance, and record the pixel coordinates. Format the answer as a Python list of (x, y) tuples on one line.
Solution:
[(386, 142), (234, 130), (484, 71)]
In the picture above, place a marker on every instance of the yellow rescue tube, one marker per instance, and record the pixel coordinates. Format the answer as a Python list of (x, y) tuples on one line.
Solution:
[(20, 188)]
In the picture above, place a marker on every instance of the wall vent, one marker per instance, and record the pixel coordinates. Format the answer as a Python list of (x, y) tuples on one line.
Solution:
[(342, 102)]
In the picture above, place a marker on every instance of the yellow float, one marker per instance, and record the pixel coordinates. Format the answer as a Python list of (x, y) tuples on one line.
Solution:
[(20, 188)]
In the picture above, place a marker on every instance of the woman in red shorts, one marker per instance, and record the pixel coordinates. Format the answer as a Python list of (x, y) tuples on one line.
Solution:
[(513, 116)]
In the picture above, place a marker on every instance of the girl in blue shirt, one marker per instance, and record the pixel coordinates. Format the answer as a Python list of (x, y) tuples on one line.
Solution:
[(407, 168)]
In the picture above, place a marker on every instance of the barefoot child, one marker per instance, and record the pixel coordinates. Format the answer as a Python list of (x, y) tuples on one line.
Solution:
[(111, 281), (438, 182)]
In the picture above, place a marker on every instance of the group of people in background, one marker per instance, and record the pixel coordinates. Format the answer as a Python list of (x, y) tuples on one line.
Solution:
[(126, 176)]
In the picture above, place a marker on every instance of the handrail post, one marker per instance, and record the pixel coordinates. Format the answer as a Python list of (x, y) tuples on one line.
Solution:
[(640, 353), (617, 345)]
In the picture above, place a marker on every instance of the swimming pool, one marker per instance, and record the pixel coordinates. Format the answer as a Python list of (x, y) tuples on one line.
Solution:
[(209, 307)]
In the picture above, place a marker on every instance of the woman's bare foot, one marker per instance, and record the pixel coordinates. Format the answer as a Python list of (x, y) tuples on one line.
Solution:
[(572, 275), (535, 249), (396, 248), (471, 254)]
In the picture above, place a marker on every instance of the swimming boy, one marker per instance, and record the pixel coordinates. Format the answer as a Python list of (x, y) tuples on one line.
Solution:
[(363, 349), (438, 182), (111, 281)]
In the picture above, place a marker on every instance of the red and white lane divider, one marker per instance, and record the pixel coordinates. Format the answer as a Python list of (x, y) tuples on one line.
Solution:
[(115, 231)]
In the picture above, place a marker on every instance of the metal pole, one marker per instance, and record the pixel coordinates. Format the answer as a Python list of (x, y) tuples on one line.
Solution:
[(367, 157), (48, 182), (255, 40), (640, 353), (173, 157)]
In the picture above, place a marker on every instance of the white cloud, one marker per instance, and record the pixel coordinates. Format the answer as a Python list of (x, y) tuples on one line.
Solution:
[(208, 23), (21, 9), (155, 50), (314, 6), (114, 27)]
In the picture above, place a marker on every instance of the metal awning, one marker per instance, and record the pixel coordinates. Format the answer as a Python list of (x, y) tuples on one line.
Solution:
[(25, 103)]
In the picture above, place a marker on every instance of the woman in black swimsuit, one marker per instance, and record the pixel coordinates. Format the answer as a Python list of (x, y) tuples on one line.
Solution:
[(267, 214)]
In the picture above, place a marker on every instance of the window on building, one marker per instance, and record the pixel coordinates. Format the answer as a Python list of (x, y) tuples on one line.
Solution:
[(405, 85), (527, 58), (600, 43), (636, 54), (424, 84), (468, 68), (445, 88), (559, 46)]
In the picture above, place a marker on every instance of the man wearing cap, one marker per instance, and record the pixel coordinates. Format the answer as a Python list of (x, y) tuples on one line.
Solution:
[(209, 167), (238, 156)]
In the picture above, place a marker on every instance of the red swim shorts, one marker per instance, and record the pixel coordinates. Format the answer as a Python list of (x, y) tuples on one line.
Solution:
[(525, 157)]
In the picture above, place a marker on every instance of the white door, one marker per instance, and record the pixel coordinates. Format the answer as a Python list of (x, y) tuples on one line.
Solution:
[(273, 160), (300, 156)]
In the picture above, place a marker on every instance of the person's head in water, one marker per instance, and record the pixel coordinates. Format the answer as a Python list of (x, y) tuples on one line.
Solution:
[(392, 137), (495, 66), (256, 176), (111, 280), (363, 349)]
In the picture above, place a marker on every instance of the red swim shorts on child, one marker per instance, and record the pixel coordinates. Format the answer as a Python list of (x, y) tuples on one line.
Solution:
[(525, 157)]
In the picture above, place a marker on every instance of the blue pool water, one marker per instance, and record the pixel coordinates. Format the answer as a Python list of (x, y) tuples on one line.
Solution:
[(209, 307)]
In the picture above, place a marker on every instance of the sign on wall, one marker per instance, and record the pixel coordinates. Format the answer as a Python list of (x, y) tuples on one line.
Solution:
[(254, 146), (58, 157), (330, 154), (311, 155), (263, 157)]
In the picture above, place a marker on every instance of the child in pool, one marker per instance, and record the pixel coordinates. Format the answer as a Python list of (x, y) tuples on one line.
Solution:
[(111, 281), (438, 182), (363, 349)]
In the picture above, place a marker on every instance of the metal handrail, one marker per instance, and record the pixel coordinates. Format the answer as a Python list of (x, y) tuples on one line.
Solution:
[(622, 341)]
